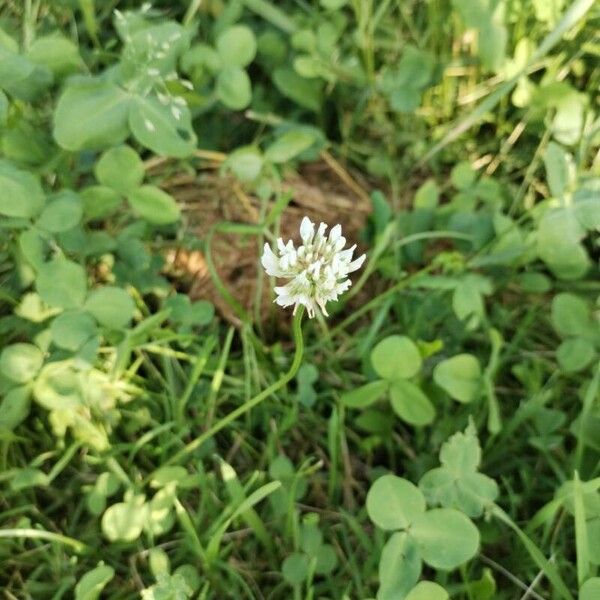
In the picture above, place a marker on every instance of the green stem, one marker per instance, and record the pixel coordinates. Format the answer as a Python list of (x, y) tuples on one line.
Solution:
[(252, 402)]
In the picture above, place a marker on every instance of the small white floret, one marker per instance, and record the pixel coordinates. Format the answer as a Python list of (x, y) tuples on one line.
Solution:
[(317, 270)]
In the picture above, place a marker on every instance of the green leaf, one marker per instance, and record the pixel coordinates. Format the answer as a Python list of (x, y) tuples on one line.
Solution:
[(468, 295), (71, 329), (558, 169), (160, 517), (33, 247), (457, 484), (28, 478), (14, 407), (33, 309), (234, 88), (396, 357), (57, 53), (399, 567), (295, 568), (289, 145), (568, 123), (236, 46), (61, 213), (165, 129), (154, 205), (245, 162), (121, 169), (305, 92), (169, 587), (124, 521), (463, 175), (427, 196), (90, 586), (201, 313), (558, 243), (404, 100), (365, 395), (575, 354), (427, 590), (21, 362), (470, 493), (62, 283), (22, 194), (394, 503), (201, 58), (14, 68), (571, 315), (112, 307), (404, 83), (593, 535), (326, 559), (154, 47), (460, 377), (410, 403), (100, 202), (3, 109), (461, 453), (167, 475), (159, 562), (492, 39), (590, 590), (91, 114), (534, 283), (58, 387), (587, 208), (446, 538)]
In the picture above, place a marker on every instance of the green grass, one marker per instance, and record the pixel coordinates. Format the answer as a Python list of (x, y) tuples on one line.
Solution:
[(175, 455)]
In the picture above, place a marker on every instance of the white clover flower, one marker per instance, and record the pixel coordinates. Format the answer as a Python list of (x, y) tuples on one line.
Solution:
[(318, 269)]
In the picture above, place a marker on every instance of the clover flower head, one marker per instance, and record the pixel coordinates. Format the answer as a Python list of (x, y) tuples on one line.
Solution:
[(318, 269)]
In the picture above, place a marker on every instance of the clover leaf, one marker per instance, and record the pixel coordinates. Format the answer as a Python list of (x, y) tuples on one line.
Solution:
[(306, 377), (396, 359), (457, 483), (443, 538), (427, 590), (400, 566), (315, 556), (572, 320), (459, 376)]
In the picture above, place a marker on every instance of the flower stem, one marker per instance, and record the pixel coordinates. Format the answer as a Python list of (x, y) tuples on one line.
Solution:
[(254, 401)]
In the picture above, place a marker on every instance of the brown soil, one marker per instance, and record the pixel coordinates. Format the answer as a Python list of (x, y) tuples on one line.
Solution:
[(323, 191)]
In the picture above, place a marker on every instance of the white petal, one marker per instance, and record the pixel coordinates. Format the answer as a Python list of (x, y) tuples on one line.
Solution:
[(321, 304), (284, 290), (270, 261), (346, 255), (310, 307), (339, 244), (356, 264), (335, 233), (321, 232), (284, 300), (307, 230), (342, 287)]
